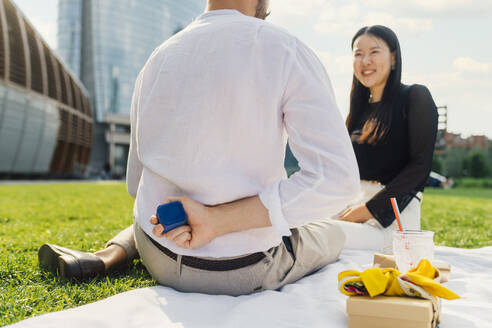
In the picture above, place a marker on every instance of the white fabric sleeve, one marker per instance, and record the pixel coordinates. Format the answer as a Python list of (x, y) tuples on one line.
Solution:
[(328, 177), (134, 166)]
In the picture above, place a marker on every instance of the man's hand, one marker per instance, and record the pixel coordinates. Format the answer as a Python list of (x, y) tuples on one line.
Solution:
[(358, 213), (199, 229), (206, 223)]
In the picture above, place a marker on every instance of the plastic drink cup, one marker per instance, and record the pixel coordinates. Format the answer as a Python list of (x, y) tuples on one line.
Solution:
[(410, 246)]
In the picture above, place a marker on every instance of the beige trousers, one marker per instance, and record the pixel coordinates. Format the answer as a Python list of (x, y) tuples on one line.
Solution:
[(315, 245)]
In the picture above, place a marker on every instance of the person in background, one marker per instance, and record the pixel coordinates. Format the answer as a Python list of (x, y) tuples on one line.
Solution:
[(393, 130), (106, 172)]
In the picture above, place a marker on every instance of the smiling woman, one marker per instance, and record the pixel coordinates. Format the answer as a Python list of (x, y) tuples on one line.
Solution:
[(373, 62), (393, 131)]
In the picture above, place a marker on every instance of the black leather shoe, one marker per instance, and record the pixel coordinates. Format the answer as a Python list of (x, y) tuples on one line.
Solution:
[(69, 264)]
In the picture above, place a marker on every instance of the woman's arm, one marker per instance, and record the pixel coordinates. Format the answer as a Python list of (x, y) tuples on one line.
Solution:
[(422, 130)]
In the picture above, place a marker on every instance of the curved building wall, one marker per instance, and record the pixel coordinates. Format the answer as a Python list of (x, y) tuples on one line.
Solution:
[(46, 123)]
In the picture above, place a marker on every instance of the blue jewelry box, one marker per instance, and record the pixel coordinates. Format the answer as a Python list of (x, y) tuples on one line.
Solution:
[(171, 215)]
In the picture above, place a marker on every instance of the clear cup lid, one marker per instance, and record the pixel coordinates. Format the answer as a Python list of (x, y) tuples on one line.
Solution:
[(414, 233)]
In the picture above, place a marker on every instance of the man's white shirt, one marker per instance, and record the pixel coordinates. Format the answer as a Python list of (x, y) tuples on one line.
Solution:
[(210, 116)]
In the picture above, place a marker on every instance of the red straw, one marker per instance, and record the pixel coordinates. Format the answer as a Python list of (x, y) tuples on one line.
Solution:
[(397, 215), (397, 212)]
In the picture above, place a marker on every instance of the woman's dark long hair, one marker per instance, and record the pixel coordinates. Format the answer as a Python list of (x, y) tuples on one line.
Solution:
[(379, 122)]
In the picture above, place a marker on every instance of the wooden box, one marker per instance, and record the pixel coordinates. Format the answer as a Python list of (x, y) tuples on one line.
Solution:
[(389, 312)]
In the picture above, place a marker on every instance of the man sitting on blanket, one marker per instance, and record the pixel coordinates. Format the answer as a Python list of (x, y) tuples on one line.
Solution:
[(210, 114)]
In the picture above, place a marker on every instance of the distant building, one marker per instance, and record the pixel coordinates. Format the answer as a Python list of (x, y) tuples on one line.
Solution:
[(478, 142), (454, 140), (107, 43), (442, 128), (46, 121), (447, 139)]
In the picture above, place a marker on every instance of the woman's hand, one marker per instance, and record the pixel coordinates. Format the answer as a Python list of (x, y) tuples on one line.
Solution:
[(358, 213), (199, 229)]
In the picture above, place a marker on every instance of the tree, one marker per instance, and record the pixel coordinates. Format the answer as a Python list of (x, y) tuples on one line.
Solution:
[(489, 157), (436, 164), (477, 165), (453, 161), (465, 166)]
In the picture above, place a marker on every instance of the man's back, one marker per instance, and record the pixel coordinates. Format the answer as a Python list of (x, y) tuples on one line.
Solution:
[(208, 109), (208, 120)]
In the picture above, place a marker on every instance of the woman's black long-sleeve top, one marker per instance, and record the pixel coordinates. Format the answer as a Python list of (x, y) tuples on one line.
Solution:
[(402, 160)]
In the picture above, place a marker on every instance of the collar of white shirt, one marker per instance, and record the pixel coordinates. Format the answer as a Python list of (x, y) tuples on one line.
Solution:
[(219, 12)]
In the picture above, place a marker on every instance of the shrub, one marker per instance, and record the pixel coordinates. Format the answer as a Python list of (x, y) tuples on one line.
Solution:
[(473, 183), (477, 166)]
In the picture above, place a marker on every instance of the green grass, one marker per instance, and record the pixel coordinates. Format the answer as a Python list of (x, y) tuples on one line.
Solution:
[(459, 217), (84, 216), (79, 216)]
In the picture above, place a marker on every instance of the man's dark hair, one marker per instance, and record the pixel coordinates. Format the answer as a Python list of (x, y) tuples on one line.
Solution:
[(262, 9)]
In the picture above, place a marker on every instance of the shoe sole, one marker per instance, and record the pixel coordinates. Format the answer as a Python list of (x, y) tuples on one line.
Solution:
[(48, 258), (58, 263)]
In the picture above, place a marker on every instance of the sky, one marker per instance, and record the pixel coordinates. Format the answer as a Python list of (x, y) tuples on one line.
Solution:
[(446, 46)]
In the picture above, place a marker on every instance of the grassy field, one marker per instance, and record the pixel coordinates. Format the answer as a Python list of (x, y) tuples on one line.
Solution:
[(79, 216), (84, 216), (459, 217)]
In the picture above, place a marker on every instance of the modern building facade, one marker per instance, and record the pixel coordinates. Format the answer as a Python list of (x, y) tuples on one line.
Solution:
[(46, 123), (107, 43)]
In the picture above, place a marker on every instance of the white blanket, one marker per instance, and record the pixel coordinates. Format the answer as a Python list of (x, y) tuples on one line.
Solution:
[(313, 301)]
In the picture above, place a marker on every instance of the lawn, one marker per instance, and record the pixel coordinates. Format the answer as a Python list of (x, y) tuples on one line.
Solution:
[(80, 216), (459, 217), (83, 216)]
